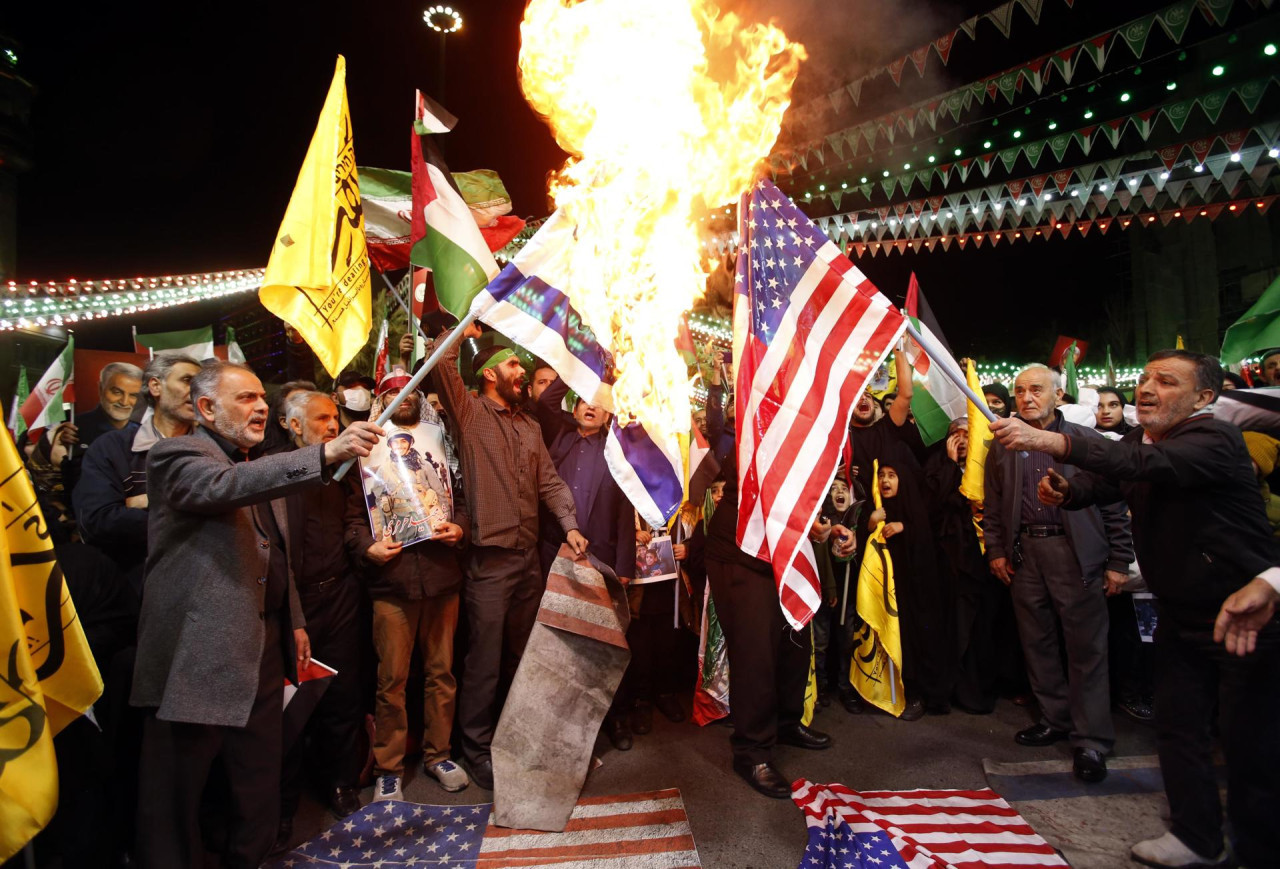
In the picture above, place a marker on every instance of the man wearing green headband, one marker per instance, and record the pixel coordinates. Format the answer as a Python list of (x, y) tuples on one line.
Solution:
[(507, 474)]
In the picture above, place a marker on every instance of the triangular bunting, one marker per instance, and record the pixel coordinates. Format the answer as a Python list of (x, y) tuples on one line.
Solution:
[(1216, 165), (1174, 19), (895, 70), (1169, 155), (1065, 63), (1251, 92), (919, 57), (1096, 48), (859, 248), (943, 44), (1084, 138), (888, 184), (1032, 8), (1213, 104), (1087, 172), (1149, 194), (984, 163), (1057, 207), (1084, 226), (1009, 156), (1058, 145), (835, 197), (1037, 184), (1135, 34), (1062, 178), (837, 101), (1166, 216), (1143, 121), (1177, 113), (978, 238), (1200, 148), (1123, 197), (1212, 211), (1216, 11), (1174, 189), (836, 141), (1201, 184), (1008, 85), (1033, 75), (1002, 18), (970, 26), (1033, 150), (1015, 187), (962, 168), (854, 90), (1249, 158), (1113, 129), (1064, 228)]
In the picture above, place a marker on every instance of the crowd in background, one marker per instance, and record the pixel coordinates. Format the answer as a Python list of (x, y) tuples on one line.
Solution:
[(211, 555)]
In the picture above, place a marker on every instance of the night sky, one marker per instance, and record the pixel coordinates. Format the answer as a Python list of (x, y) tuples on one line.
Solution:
[(167, 137)]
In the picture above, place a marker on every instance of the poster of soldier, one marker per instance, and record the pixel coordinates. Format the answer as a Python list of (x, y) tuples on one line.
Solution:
[(406, 482)]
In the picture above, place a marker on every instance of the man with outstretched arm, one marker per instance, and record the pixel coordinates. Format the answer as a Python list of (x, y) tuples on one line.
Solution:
[(1205, 549)]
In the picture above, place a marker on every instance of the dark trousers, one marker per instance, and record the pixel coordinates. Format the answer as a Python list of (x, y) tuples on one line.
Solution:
[(660, 652), (1193, 672), (502, 590), (1131, 659), (768, 662), (177, 760), (977, 604), (332, 610), (1048, 591)]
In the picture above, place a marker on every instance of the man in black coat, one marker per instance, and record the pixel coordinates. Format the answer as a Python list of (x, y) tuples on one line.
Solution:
[(1206, 550)]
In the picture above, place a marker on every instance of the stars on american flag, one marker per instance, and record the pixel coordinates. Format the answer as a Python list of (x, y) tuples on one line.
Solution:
[(780, 246), (393, 835)]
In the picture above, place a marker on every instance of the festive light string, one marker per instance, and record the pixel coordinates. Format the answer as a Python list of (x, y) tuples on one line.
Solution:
[(59, 303)]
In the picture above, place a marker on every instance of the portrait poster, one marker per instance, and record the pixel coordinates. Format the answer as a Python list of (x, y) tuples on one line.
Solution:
[(406, 482), (655, 561)]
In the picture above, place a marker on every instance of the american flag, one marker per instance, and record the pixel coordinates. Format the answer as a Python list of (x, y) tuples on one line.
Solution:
[(809, 330), (645, 830), (920, 829)]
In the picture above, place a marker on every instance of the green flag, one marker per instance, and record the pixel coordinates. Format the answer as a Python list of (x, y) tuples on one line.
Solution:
[(1072, 383), (1257, 330), (17, 424), (1111, 369)]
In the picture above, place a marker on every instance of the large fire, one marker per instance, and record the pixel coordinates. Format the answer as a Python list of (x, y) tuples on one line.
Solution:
[(667, 106)]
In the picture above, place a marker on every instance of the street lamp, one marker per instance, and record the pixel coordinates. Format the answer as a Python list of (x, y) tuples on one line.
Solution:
[(443, 20)]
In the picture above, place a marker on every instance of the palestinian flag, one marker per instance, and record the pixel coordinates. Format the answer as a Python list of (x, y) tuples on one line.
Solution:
[(935, 401), (197, 343), (388, 211), (43, 407), (445, 236), (234, 353)]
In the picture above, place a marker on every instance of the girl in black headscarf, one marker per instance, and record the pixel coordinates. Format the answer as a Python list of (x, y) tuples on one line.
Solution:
[(997, 396), (1110, 414), (925, 602)]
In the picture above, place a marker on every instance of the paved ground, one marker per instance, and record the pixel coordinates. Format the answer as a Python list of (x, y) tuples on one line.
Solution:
[(735, 828)]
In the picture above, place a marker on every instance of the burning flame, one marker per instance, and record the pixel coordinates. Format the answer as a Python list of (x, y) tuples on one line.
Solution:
[(667, 106)]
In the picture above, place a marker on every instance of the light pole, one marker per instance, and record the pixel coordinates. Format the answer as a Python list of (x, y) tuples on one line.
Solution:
[(443, 20)]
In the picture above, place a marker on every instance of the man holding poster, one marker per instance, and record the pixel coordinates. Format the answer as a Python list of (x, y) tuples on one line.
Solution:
[(406, 524)]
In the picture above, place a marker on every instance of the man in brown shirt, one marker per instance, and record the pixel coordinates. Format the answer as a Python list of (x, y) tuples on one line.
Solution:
[(506, 472)]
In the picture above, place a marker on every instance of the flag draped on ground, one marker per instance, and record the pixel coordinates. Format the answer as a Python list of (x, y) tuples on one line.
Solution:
[(1257, 330), (919, 829), (640, 831), (972, 484), (445, 236), (197, 343), (43, 407), (935, 400), (876, 671), (318, 279), (809, 330), (47, 674), (531, 302)]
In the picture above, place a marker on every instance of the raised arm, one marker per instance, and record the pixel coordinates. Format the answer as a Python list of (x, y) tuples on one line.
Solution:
[(900, 409), (449, 384), (552, 418), (195, 481)]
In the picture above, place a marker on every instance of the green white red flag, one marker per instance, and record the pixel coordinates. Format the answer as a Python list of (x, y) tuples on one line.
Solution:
[(197, 343), (935, 400), (43, 407), (18, 425)]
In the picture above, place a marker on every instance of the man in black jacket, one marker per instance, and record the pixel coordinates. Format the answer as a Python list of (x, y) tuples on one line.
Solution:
[(329, 592), (1065, 560), (1206, 550)]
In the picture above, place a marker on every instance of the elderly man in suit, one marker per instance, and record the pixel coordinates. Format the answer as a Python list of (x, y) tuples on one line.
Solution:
[(1060, 567), (221, 621)]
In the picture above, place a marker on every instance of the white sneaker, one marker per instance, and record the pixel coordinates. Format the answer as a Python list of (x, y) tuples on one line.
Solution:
[(387, 787), (1169, 852), (451, 776)]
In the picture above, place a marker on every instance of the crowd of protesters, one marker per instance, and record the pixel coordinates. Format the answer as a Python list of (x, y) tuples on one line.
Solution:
[(212, 556)]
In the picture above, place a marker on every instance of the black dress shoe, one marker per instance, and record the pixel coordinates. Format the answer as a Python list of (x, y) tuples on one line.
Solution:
[(284, 834), (344, 801), (670, 707), (803, 737), (482, 773), (765, 778), (914, 711), (642, 718), (851, 702), (1137, 709), (1039, 735), (615, 727), (1090, 765)]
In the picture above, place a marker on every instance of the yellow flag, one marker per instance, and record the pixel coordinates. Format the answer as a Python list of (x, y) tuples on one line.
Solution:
[(47, 674), (318, 278), (811, 687), (877, 656), (1179, 345), (971, 484)]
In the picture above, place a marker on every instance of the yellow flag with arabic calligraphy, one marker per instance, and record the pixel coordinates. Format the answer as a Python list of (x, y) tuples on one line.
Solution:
[(876, 671), (972, 484), (48, 677), (318, 279)]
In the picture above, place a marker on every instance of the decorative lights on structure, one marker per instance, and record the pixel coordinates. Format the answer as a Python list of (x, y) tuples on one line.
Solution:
[(61, 303), (443, 19)]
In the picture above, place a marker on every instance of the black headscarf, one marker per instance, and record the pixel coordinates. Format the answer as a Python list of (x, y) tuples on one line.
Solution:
[(1001, 390)]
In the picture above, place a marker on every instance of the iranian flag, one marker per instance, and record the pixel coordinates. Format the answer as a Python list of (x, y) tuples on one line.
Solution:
[(43, 407), (234, 353), (384, 353), (17, 424), (197, 343), (445, 236), (387, 195), (935, 401)]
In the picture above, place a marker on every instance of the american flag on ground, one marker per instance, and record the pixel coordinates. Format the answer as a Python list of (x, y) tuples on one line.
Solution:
[(921, 829), (646, 831), (808, 332)]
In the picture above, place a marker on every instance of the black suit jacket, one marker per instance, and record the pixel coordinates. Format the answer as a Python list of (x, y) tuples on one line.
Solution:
[(1198, 519)]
